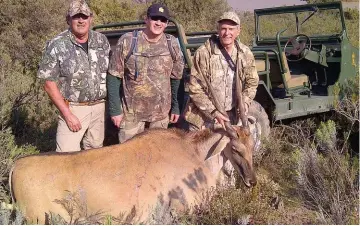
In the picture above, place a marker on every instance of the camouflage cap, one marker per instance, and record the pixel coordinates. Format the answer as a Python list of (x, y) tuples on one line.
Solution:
[(79, 6), (230, 16)]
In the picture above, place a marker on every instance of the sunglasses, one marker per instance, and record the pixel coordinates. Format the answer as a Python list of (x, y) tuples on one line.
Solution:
[(79, 15), (161, 18)]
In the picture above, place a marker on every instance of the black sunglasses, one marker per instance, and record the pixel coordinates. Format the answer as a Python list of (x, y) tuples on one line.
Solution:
[(79, 15), (161, 18)]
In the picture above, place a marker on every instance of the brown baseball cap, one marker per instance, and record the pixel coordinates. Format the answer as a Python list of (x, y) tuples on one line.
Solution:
[(230, 16), (79, 6)]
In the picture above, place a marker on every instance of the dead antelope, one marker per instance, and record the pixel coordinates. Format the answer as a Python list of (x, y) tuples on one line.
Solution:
[(159, 167)]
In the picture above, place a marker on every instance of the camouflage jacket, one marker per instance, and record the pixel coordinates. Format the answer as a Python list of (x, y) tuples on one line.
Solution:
[(214, 66), (80, 75), (146, 76)]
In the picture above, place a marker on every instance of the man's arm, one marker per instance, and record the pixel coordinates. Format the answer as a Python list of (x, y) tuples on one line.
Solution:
[(113, 85), (114, 80), (175, 109), (54, 93), (198, 89), (176, 75), (251, 78), (49, 71)]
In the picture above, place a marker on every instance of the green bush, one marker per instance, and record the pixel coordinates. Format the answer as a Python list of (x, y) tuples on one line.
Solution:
[(328, 183), (7, 217), (326, 136), (9, 151)]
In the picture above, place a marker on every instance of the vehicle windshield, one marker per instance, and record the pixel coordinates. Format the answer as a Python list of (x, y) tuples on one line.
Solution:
[(323, 22)]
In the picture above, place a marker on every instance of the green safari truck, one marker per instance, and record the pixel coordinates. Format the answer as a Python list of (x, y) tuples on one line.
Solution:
[(301, 52)]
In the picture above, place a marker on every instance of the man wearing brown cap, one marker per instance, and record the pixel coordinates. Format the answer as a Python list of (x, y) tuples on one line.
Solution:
[(73, 68), (144, 76), (217, 60)]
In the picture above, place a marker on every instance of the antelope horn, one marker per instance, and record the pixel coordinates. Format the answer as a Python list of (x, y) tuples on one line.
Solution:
[(229, 129), (239, 97)]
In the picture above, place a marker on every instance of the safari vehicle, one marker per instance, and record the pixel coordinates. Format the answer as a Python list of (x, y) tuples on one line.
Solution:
[(300, 51)]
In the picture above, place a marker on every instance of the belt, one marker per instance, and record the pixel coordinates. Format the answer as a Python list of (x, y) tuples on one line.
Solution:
[(88, 103)]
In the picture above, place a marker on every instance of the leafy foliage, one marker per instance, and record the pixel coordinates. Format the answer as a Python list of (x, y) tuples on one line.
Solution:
[(328, 183), (9, 151), (197, 15), (326, 135), (6, 217), (114, 11)]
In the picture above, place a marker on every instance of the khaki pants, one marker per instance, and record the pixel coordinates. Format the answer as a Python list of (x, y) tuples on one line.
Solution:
[(130, 129), (92, 119)]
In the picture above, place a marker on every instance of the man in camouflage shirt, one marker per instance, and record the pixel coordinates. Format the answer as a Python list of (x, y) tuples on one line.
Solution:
[(210, 62), (74, 68), (140, 89)]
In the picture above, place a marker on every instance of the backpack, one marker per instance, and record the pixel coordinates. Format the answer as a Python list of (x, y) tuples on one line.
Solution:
[(133, 46)]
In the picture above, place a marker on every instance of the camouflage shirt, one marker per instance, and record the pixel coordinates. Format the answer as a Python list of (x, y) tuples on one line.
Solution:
[(146, 76), (215, 67), (80, 75)]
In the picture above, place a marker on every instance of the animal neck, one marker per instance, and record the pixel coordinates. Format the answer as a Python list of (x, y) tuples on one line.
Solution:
[(209, 146)]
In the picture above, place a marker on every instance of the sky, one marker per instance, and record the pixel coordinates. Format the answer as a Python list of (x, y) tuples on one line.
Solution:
[(250, 5)]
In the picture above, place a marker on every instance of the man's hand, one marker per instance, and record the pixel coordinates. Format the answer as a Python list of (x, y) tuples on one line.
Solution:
[(117, 120), (220, 118), (72, 122), (174, 118)]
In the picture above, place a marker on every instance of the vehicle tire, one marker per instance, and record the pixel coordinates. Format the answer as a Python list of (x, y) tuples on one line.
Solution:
[(261, 129), (262, 120)]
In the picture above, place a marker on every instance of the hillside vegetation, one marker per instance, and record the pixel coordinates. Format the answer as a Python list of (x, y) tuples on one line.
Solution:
[(298, 182)]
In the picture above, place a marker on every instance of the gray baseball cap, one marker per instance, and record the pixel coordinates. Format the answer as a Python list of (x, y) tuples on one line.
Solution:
[(230, 16)]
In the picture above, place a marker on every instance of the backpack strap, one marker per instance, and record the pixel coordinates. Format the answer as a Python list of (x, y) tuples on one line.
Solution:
[(132, 45), (168, 40), (133, 49)]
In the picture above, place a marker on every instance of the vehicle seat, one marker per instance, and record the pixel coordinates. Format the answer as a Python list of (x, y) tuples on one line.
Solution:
[(260, 65), (293, 79)]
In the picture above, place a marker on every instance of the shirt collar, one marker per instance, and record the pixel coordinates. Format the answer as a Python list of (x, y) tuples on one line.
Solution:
[(90, 39)]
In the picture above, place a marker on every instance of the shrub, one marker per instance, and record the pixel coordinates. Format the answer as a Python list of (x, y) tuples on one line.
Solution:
[(348, 103), (326, 136), (8, 217), (9, 151), (328, 182)]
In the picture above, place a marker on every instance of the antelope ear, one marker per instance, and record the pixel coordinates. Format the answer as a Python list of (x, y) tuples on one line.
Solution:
[(221, 145)]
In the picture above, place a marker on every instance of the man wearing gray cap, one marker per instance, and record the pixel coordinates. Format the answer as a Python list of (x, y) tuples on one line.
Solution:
[(217, 60), (73, 68)]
